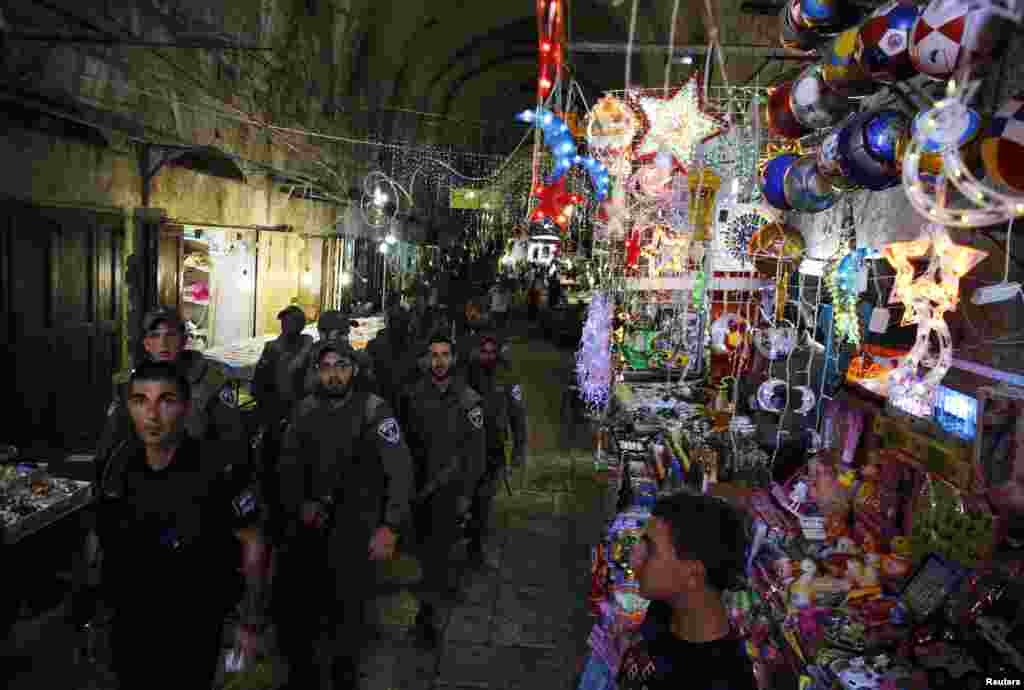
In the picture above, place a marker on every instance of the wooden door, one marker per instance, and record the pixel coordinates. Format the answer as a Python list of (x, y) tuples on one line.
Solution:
[(60, 322), (169, 267)]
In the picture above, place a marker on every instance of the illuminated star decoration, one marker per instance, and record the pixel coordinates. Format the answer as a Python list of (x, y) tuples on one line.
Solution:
[(940, 283), (667, 250), (556, 204), (926, 301), (675, 124)]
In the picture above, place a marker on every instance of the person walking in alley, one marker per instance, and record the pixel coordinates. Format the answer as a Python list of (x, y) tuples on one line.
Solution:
[(394, 360), (213, 412), (169, 515), (277, 387), (501, 299), (504, 410), (693, 550), (346, 477), (333, 325), (445, 421)]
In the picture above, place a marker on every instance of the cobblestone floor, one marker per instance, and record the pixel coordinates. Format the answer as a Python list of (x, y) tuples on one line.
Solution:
[(523, 625)]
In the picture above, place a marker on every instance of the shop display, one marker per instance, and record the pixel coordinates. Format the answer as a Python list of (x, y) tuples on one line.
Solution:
[(31, 499), (879, 492)]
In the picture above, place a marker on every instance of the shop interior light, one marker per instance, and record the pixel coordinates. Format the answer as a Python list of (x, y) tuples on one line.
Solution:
[(391, 239), (383, 248), (687, 59), (345, 279), (379, 197)]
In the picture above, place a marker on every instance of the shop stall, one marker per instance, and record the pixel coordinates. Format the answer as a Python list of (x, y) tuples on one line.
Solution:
[(795, 315)]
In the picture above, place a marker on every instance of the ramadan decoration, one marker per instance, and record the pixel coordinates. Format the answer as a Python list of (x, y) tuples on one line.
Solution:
[(593, 360), (926, 300), (675, 124), (776, 250), (883, 42), (773, 180), (806, 189), (870, 148), (952, 35)]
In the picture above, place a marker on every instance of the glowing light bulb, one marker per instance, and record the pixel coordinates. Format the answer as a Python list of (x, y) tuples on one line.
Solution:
[(391, 239), (379, 197), (545, 46), (383, 248), (345, 279), (548, 117)]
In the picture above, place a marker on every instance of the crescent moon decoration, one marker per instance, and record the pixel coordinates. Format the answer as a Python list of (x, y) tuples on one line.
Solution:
[(926, 300), (559, 141), (943, 127)]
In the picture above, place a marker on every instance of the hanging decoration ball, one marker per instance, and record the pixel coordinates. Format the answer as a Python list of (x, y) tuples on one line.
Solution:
[(883, 42), (1003, 147), (871, 146), (813, 104), (782, 121), (951, 34), (773, 181), (969, 143), (776, 245), (830, 164), (806, 189), (821, 13), (793, 35), (610, 127), (840, 70)]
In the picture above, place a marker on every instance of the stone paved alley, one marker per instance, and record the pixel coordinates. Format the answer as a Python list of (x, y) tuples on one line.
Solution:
[(523, 626)]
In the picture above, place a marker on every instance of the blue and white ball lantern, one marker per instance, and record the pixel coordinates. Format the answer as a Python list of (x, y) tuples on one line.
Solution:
[(773, 181), (814, 105), (806, 189), (560, 142), (883, 42), (830, 163), (821, 13), (871, 147)]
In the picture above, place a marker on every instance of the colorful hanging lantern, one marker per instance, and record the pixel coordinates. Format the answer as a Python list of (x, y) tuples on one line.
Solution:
[(806, 189), (871, 146), (883, 42), (954, 34), (1003, 147), (776, 250), (773, 180)]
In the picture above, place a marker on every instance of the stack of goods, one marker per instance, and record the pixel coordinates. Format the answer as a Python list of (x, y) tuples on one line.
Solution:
[(870, 568), (30, 499), (614, 599)]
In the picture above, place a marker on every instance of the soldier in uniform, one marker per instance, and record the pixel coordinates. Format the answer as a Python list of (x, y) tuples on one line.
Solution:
[(213, 413), (393, 358), (334, 325), (169, 515), (277, 387), (444, 419), (346, 478), (504, 409)]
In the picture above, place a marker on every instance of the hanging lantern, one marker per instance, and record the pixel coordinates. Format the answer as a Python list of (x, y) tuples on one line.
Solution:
[(703, 189)]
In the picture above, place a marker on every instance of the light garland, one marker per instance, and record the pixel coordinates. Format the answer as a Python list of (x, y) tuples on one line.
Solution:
[(675, 124), (560, 142), (841, 282), (593, 360)]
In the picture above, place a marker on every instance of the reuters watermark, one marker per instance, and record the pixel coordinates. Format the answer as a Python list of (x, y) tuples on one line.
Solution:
[(1002, 683)]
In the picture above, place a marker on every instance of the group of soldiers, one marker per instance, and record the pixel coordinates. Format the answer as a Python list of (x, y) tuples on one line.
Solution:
[(358, 454)]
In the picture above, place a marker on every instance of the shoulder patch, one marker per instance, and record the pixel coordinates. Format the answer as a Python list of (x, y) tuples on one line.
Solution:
[(112, 409), (388, 430), (517, 393), (245, 504), (476, 417), (228, 396)]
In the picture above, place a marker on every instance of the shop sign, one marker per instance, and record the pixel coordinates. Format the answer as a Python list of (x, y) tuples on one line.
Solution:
[(476, 199)]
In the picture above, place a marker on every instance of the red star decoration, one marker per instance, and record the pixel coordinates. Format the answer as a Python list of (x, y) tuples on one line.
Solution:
[(556, 203)]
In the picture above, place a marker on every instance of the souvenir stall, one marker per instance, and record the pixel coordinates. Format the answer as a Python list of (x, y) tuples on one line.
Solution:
[(780, 323)]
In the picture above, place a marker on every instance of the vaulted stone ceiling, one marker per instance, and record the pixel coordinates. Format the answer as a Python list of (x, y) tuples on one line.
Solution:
[(478, 59)]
